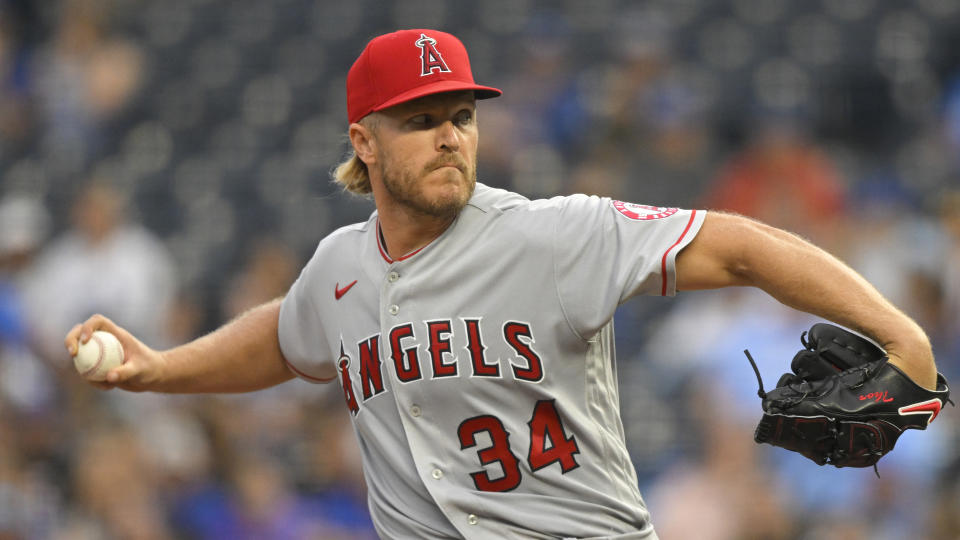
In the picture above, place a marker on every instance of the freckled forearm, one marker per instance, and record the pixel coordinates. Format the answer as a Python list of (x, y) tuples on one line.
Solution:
[(241, 356), (809, 279), (732, 250)]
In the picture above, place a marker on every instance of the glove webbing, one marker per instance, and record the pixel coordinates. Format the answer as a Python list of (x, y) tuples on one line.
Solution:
[(837, 452)]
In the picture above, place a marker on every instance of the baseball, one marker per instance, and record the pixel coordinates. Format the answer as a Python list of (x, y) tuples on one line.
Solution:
[(101, 353)]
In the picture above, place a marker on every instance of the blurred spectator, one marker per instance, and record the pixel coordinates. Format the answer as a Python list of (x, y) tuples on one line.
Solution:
[(188, 317), (16, 79), (726, 493), (259, 503), (950, 221), (86, 76), (904, 251), (945, 509), (24, 225), (117, 493), (286, 467), (543, 87), (951, 114), (782, 179), (270, 269), (105, 264), (606, 173), (546, 118), (651, 110), (332, 475), (29, 504)]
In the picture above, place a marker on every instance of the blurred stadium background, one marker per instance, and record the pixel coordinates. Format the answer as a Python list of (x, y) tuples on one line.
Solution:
[(167, 164)]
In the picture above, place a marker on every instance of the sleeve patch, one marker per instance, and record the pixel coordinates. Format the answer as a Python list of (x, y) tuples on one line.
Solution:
[(642, 212)]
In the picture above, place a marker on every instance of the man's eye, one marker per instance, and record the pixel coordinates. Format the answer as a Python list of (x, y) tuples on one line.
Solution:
[(420, 120), (465, 117)]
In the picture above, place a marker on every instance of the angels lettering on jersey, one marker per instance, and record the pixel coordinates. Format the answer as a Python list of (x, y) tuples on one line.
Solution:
[(424, 351)]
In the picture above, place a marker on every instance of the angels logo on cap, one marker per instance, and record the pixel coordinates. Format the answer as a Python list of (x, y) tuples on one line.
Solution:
[(643, 212), (430, 58)]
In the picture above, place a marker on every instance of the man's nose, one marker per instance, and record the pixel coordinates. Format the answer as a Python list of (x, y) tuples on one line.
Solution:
[(448, 137)]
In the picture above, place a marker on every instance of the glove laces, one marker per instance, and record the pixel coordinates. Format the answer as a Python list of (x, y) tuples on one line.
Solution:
[(756, 370)]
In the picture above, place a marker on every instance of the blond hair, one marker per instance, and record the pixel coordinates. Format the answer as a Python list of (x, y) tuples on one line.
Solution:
[(352, 173)]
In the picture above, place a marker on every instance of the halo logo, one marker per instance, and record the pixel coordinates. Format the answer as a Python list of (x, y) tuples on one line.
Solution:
[(643, 212), (430, 57)]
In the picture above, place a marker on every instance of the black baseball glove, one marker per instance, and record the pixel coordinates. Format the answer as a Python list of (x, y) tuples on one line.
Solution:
[(844, 404)]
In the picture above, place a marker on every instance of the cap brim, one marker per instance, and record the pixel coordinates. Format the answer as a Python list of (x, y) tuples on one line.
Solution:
[(481, 92)]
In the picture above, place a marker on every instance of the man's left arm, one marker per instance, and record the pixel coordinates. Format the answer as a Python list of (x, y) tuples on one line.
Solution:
[(732, 250)]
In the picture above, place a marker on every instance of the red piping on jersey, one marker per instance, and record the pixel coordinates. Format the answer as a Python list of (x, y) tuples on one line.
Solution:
[(305, 376), (663, 262), (383, 252)]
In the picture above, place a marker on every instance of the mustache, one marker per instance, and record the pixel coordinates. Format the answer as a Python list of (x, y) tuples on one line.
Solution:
[(448, 161)]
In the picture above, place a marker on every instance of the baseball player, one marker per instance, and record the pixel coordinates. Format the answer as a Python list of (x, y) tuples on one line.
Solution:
[(470, 328)]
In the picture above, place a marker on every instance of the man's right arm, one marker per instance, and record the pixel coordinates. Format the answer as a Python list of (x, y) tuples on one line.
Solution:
[(241, 356), (732, 250)]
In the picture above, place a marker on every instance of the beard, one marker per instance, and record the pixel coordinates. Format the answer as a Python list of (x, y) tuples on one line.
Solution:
[(407, 188)]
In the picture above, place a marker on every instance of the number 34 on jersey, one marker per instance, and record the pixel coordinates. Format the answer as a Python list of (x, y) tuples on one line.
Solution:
[(549, 442)]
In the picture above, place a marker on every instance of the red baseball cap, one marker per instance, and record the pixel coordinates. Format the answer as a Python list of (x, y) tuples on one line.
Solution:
[(405, 65)]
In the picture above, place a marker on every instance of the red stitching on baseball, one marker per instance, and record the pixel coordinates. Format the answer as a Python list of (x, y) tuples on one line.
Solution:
[(99, 356)]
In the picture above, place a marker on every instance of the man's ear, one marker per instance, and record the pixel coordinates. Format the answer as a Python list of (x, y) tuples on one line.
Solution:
[(364, 144)]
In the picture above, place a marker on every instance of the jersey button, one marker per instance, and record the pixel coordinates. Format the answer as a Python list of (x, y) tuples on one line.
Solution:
[(393, 276), (415, 410), (394, 309), (437, 474), (472, 519)]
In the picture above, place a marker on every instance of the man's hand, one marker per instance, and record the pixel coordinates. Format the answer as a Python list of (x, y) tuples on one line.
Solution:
[(142, 366), (241, 356)]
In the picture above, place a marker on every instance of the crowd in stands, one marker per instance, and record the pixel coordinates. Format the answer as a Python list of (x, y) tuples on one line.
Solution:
[(167, 164)]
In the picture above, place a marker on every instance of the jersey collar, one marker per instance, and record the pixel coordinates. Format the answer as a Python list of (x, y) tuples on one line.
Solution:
[(381, 244)]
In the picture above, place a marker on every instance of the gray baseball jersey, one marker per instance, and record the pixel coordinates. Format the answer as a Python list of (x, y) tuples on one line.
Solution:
[(479, 370)]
